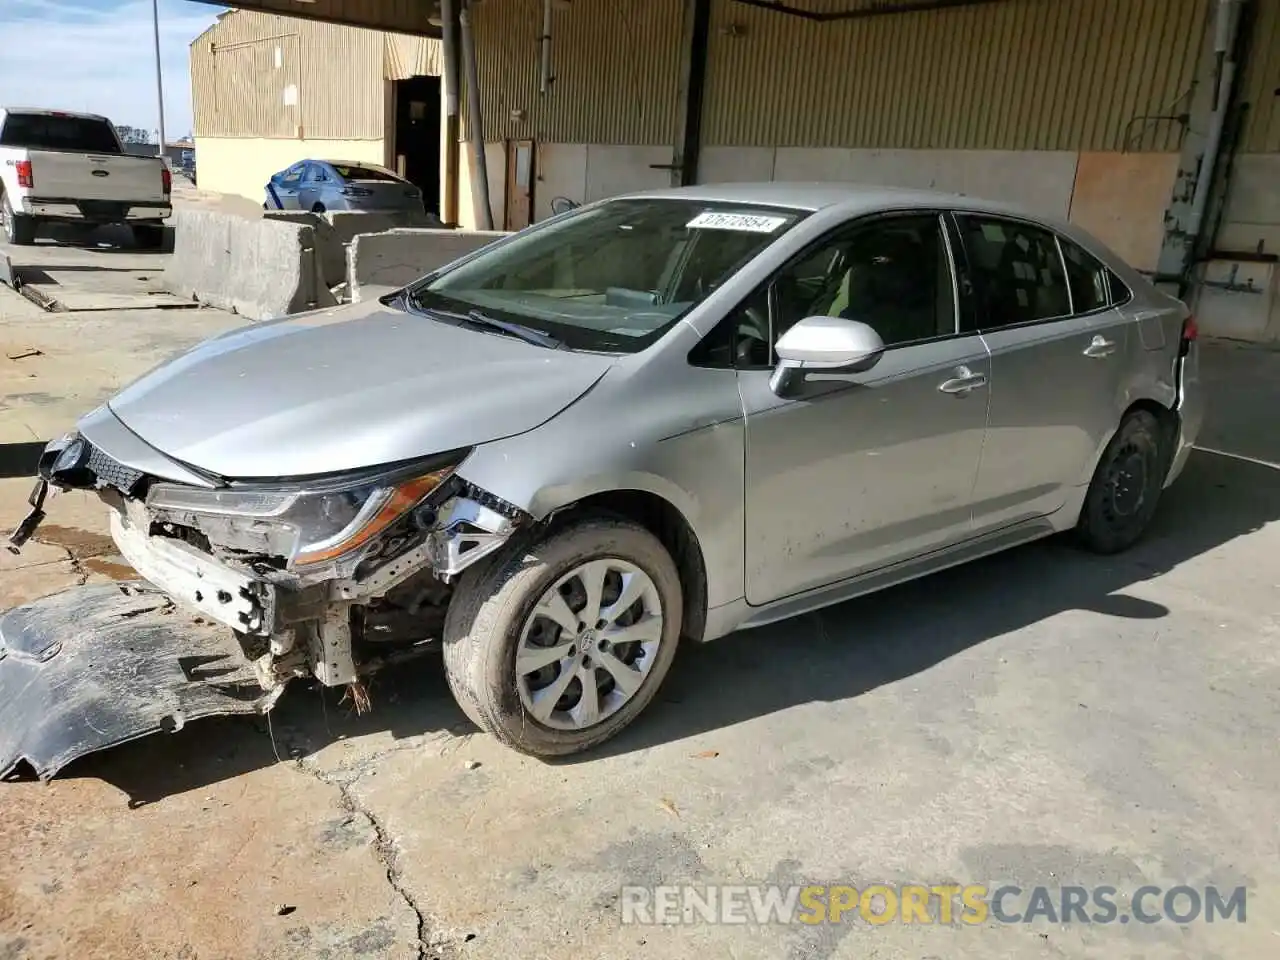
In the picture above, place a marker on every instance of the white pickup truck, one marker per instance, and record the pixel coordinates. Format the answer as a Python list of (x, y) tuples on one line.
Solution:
[(71, 168)]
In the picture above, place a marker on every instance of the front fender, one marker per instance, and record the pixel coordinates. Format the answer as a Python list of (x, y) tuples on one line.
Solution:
[(604, 445)]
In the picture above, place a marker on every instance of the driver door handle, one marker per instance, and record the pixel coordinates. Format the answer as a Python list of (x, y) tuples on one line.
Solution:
[(1100, 347), (963, 383)]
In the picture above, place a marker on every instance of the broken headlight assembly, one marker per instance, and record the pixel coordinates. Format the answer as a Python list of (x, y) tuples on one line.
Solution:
[(324, 522)]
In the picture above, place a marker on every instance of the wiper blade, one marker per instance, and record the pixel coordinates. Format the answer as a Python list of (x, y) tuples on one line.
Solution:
[(527, 334), (480, 319)]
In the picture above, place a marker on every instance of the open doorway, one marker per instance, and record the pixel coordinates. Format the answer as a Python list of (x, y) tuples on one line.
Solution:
[(416, 155)]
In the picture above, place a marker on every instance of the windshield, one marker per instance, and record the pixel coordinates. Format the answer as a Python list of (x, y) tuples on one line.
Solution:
[(611, 278), (39, 131)]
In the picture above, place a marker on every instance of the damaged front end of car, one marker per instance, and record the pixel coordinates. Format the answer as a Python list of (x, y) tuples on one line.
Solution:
[(329, 577)]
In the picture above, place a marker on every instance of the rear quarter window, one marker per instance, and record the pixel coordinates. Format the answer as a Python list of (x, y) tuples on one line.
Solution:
[(36, 131), (347, 172)]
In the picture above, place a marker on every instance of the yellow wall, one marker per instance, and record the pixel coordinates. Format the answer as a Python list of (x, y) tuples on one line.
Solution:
[(242, 166)]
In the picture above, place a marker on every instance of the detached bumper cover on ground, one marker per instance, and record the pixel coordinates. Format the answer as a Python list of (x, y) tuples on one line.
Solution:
[(96, 666)]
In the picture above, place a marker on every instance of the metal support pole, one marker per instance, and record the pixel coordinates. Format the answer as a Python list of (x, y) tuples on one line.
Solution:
[(1228, 19), (544, 44), (448, 27), (475, 121), (155, 22)]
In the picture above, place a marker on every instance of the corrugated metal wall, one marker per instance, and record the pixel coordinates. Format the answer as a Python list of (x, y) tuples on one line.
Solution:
[(617, 70), (1015, 75), (1262, 82), (261, 75)]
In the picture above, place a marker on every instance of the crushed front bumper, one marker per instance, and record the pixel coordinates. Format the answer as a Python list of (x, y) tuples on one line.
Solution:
[(96, 666)]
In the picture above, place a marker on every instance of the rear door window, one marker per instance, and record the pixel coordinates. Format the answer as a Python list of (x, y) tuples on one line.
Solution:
[(38, 131), (1016, 271)]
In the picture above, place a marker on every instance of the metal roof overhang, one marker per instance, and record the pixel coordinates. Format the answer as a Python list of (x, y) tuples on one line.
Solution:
[(397, 16)]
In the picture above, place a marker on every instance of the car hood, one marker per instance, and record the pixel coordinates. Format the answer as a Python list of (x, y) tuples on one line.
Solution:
[(346, 388)]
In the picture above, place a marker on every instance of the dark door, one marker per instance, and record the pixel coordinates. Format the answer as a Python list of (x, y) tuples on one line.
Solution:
[(417, 145), (519, 184)]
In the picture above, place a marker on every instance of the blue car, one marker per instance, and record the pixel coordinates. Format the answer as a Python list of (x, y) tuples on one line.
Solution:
[(323, 185)]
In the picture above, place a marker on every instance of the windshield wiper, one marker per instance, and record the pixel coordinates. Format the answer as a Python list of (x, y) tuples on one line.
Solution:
[(527, 334), (479, 318)]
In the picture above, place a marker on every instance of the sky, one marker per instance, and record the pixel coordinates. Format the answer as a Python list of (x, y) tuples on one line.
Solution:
[(98, 56)]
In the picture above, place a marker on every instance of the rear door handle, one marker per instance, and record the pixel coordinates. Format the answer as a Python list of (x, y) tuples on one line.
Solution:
[(963, 383), (1100, 347)]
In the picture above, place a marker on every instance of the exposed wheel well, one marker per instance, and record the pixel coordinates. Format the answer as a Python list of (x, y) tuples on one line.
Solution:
[(317, 207), (665, 522), (1168, 420)]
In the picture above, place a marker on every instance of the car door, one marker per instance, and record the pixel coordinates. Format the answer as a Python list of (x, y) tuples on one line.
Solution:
[(284, 187), (859, 471), (1056, 366), (310, 190)]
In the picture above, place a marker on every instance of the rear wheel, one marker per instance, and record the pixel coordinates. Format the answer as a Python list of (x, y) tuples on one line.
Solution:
[(148, 236), (557, 647), (1126, 486), (19, 230)]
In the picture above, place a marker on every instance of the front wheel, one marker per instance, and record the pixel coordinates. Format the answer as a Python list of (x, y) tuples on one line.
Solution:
[(1126, 486), (556, 647)]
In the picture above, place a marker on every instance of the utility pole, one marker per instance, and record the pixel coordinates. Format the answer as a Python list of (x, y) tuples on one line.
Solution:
[(155, 21)]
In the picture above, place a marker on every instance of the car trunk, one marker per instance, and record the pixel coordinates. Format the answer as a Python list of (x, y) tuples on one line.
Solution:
[(382, 195)]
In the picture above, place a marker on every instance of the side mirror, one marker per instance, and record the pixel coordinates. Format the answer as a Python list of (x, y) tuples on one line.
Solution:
[(824, 345)]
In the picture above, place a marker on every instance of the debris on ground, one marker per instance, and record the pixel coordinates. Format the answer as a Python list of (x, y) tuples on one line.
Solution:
[(24, 354), (284, 909), (706, 755), (471, 764)]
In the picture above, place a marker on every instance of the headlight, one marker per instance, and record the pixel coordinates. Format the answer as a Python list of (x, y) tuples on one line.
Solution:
[(326, 522)]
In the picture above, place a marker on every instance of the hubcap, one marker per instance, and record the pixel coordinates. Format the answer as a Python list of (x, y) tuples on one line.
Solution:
[(589, 643), (1127, 482)]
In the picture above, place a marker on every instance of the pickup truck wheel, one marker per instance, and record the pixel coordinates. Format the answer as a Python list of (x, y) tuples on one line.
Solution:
[(148, 236), (557, 646), (18, 229), (1126, 486)]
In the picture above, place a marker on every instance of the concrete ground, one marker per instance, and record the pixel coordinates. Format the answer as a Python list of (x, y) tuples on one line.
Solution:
[(1043, 717)]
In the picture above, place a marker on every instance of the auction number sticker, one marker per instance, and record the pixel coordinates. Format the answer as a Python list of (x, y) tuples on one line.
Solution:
[(751, 223)]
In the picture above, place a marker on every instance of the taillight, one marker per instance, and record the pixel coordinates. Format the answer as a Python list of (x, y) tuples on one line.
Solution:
[(1190, 333), (356, 192), (25, 177), (166, 180)]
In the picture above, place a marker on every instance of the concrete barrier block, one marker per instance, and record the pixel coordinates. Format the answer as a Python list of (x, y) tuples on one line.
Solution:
[(335, 229), (384, 261), (261, 269)]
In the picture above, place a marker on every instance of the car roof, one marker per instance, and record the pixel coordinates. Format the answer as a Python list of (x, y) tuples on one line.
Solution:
[(39, 111), (855, 198)]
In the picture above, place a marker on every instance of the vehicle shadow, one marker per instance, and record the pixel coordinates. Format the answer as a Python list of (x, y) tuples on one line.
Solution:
[(108, 239), (837, 654)]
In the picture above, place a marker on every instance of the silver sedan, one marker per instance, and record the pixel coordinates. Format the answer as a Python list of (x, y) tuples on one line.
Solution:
[(648, 421), (321, 186)]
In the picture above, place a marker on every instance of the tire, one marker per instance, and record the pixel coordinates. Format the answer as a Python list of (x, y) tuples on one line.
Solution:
[(148, 236), (1126, 486), (19, 230), (495, 602)]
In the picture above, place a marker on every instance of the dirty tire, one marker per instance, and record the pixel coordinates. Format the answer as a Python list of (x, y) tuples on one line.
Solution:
[(1126, 486), (488, 611), (18, 230)]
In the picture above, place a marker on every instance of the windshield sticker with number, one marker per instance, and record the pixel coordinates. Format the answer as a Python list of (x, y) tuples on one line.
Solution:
[(751, 223)]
